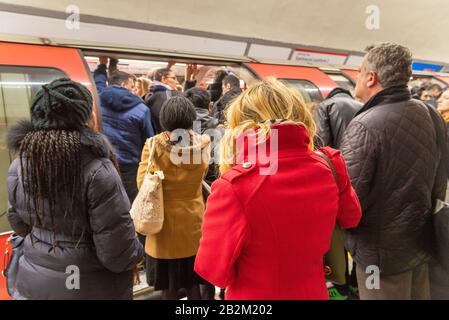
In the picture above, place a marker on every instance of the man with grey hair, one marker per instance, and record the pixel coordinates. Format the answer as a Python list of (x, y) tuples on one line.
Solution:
[(394, 162)]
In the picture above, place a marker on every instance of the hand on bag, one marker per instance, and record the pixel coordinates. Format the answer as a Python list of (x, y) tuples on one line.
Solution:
[(136, 277)]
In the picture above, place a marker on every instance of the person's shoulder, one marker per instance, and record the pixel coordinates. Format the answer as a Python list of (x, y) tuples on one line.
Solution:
[(99, 169), (329, 152), (13, 167), (141, 109), (239, 171)]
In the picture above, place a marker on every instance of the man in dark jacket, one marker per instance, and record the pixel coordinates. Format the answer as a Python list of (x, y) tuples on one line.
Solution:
[(200, 98), (392, 156), (163, 88), (126, 123), (333, 116), (231, 89)]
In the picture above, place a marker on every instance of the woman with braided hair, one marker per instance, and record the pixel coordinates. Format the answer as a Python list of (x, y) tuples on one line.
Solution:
[(67, 200)]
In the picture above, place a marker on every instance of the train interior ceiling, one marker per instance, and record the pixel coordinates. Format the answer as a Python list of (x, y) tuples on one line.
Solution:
[(144, 66)]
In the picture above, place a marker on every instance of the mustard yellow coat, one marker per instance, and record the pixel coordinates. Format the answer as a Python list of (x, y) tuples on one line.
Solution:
[(182, 191)]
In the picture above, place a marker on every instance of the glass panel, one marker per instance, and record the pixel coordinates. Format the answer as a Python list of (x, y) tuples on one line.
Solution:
[(18, 85), (342, 82), (308, 90)]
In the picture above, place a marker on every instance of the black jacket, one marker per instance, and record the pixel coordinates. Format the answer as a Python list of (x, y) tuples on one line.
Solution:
[(207, 121), (102, 243), (155, 99), (223, 103), (215, 89), (392, 157), (209, 126), (333, 116)]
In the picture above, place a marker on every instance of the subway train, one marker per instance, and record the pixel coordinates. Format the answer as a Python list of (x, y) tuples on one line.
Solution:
[(24, 68)]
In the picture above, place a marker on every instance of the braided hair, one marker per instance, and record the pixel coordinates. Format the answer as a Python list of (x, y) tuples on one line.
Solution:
[(49, 155)]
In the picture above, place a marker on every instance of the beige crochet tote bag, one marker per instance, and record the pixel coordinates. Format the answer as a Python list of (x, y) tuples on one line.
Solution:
[(147, 210)]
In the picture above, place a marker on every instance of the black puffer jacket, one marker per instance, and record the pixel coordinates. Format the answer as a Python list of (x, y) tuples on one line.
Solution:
[(333, 116), (392, 157), (103, 246), (220, 106)]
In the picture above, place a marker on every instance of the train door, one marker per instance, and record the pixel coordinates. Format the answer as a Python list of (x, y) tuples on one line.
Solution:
[(342, 80), (444, 79), (310, 81), (352, 74)]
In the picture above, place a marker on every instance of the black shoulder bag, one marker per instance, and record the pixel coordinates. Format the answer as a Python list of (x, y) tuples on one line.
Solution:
[(440, 208)]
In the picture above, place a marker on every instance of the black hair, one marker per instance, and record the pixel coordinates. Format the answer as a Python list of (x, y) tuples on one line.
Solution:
[(199, 97), (177, 113), (232, 80), (161, 73), (220, 75), (118, 77)]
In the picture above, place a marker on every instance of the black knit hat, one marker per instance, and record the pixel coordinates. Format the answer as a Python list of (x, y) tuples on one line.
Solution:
[(62, 104)]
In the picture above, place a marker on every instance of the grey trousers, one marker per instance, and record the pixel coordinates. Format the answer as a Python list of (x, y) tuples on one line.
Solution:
[(439, 282), (410, 285)]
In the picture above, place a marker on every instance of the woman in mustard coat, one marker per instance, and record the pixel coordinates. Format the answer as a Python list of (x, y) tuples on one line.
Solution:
[(183, 156)]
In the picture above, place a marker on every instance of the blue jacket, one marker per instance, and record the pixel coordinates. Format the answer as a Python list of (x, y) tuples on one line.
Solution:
[(126, 121)]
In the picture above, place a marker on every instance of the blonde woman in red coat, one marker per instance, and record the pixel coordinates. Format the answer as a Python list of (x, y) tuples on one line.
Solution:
[(269, 218)]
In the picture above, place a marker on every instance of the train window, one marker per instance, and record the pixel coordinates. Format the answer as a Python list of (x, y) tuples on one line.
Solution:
[(308, 90), (18, 86), (342, 82)]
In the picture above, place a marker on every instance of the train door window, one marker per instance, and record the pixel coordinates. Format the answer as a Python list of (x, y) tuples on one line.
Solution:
[(342, 82), (308, 90), (18, 86)]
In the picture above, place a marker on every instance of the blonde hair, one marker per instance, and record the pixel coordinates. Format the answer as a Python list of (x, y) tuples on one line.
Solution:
[(144, 85), (266, 100)]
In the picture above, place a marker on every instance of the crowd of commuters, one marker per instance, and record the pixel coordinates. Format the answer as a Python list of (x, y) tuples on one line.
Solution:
[(283, 176)]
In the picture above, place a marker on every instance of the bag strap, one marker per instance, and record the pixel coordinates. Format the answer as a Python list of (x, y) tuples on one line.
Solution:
[(152, 150), (437, 121), (323, 156), (206, 186)]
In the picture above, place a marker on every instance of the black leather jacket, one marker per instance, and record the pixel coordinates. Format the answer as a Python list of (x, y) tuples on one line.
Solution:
[(333, 116)]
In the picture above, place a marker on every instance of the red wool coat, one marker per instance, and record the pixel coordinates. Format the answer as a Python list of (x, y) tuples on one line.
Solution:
[(264, 236)]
